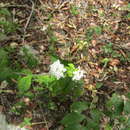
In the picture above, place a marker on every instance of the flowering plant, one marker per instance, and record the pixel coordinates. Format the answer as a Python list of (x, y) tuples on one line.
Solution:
[(61, 81), (68, 79), (57, 69)]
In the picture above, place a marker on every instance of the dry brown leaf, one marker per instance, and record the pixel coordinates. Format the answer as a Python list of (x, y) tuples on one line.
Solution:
[(114, 62), (74, 48), (89, 87)]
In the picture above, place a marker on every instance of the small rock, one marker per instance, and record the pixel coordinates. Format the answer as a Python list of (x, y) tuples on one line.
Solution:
[(5, 126)]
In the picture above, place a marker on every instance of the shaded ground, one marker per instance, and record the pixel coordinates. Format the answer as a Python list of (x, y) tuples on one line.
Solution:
[(79, 31)]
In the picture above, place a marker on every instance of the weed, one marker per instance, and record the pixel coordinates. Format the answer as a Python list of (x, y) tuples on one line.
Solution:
[(96, 30), (7, 26), (26, 122), (74, 10), (29, 56)]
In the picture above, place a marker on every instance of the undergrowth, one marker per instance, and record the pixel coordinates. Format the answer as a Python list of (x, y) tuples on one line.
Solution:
[(64, 85)]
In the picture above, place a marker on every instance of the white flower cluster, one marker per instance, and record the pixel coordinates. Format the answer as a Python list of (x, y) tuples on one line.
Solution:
[(78, 74), (57, 69)]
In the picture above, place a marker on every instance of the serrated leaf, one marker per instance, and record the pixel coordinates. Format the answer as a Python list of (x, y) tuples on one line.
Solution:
[(72, 118), (46, 79), (79, 106), (24, 84), (70, 69)]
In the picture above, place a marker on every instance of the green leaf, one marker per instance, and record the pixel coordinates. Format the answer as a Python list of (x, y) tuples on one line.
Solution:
[(26, 71), (72, 118), (29, 95), (99, 85), (74, 10), (91, 31), (115, 105), (18, 108), (3, 58), (65, 86), (105, 60), (62, 86), (128, 95), (4, 12), (8, 26), (98, 30), (89, 34), (128, 122), (108, 48), (93, 122), (128, 16), (79, 106), (129, 5), (54, 58), (127, 107), (92, 125), (75, 127), (128, 128), (46, 79), (52, 106), (5, 73), (70, 69), (108, 127), (27, 121), (53, 39), (78, 91), (96, 115), (24, 84)]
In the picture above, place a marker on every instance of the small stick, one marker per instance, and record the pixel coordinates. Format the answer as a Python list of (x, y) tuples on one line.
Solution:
[(29, 18), (37, 123)]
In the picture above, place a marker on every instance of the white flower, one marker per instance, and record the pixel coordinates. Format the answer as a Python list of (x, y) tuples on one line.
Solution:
[(57, 69), (78, 74)]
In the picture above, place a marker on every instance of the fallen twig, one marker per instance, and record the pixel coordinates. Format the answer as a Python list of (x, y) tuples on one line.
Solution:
[(28, 20)]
